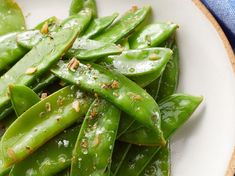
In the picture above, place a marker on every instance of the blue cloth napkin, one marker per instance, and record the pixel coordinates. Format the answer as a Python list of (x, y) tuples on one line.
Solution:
[(224, 12)]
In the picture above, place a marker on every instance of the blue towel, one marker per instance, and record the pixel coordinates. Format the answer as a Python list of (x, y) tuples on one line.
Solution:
[(224, 12)]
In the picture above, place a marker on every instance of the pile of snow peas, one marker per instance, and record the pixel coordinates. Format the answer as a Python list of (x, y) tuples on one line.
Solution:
[(89, 95)]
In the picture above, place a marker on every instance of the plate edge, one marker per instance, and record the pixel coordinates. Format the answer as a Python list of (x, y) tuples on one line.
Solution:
[(219, 30)]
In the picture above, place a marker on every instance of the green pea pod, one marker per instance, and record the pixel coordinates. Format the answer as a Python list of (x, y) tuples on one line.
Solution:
[(51, 158), (30, 39), (170, 76), (117, 89), (93, 150), (160, 164), (78, 5), (35, 63), (119, 154), (44, 81), (50, 21), (124, 124), (175, 111), (10, 51), (12, 18), (50, 116), (22, 98), (99, 25), (144, 136), (152, 35), (86, 49), (125, 44), (153, 87), (134, 63), (126, 24)]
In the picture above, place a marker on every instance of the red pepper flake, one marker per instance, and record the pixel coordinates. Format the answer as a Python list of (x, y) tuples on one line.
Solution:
[(73, 64), (11, 154), (115, 84), (44, 29)]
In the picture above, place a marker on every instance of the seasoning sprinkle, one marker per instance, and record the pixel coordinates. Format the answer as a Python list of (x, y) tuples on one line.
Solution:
[(44, 29), (76, 106), (73, 64), (31, 70), (44, 95), (115, 84)]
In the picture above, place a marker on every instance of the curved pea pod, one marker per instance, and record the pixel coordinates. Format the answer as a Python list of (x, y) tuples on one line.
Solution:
[(139, 64), (44, 81), (99, 25), (78, 5), (175, 111), (12, 18), (51, 22), (119, 154), (35, 63), (10, 51), (126, 24), (30, 39), (86, 49), (160, 164), (93, 150), (170, 76), (124, 124), (51, 158), (152, 35), (22, 98), (50, 116), (115, 88), (173, 116), (153, 87)]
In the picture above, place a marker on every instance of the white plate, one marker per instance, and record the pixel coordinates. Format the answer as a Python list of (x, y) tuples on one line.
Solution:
[(204, 145)]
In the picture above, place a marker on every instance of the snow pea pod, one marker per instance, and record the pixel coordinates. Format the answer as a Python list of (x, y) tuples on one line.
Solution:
[(50, 22), (140, 62), (52, 157), (51, 116), (78, 5), (144, 136), (10, 51), (35, 63), (152, 35), (93, 150), (22, 98), (119, 153), (99, 25), (86, 49), (126, 24), (12, 18), (176, 110), (170, 76), (117, 89), (43, 81), (30, 39), (160, 164)]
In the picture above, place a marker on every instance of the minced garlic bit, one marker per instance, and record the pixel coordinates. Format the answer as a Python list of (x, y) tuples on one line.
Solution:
[(88, 65), (134, 8), (44, 95), (134, 96), (104, 86), (84, 143), (48, 107), (73, 64), (115, 84), (31, 70), (96, 141), (154, 57), (76, 106), (44, 29), (93, 113)]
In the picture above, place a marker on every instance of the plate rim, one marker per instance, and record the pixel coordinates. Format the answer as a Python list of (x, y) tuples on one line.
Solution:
[(231, 167)]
